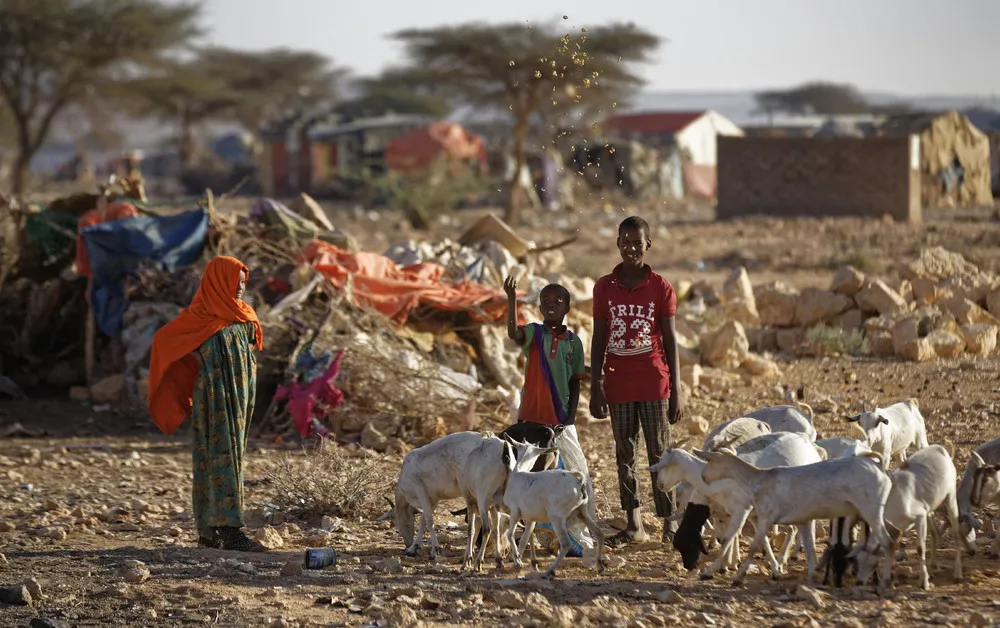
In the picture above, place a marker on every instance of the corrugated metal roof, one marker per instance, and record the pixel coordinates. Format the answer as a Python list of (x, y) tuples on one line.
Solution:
[(652, 123)]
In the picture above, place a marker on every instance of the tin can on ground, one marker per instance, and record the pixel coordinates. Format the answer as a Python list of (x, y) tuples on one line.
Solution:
[(319, 558)]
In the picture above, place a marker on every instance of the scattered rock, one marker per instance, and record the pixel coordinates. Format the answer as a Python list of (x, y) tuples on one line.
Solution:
[(946, 344), (3, 561), (967, 312), (669, 596), (979, 620), (727, 347), (330, 524), (810, 595), (7, 526), (738, 300), (847, 281), (939, 263), (788, 339), (509, 599), (16, 595), (819, 306), (993, 303), (108, 389), (373, 439), (389, 565), (980, 338), (691, 375), (851, 319), (79, 393), (924, 290), (34, 588), (134, 571), (292, 568), (876, 296), (269, 538), (918, 350), (776, 304), (698, 426), (760, 366)]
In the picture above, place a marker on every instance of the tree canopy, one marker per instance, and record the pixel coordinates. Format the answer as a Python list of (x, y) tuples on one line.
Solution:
[(525, 69), (817, 98), (250, 87), (55, 53)]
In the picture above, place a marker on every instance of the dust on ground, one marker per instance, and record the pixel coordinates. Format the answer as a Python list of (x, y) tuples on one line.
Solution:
[(120, 493)]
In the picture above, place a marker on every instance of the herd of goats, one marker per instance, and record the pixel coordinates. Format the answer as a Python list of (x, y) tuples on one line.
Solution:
[(767, 466)]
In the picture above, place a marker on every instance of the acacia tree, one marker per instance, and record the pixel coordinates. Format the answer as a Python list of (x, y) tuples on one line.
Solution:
[(55, 53), (525, 70), (266, 85), (390, 92), (817, 98)]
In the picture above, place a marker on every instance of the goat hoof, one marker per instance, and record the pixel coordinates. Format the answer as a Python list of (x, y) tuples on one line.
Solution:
[(706, 576), (776, 577), (410, 551), (549, 575)]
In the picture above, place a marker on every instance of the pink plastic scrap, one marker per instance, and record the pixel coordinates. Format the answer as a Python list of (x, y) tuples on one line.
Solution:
[(309, 403)]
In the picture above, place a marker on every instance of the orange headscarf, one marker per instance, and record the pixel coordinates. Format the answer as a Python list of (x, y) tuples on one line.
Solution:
[(172, 369)]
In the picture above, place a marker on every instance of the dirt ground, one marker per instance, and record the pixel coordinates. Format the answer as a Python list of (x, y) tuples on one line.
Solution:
[(119, 492)]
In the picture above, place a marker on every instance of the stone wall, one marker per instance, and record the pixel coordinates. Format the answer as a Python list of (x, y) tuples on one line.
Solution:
[(829, 176)]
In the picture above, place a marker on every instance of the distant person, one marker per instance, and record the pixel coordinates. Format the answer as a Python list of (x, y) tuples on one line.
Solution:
[(203, 365), (634, 370)]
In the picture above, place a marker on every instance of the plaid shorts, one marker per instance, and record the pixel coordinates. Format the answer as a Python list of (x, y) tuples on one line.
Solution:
[(626, 420)]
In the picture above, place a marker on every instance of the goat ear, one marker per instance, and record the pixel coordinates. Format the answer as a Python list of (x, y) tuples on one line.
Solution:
[(701, 454), (656, 467), (852, 419), (881, 419)]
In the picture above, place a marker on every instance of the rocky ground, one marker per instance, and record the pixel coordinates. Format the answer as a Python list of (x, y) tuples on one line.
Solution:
[(95, 517)]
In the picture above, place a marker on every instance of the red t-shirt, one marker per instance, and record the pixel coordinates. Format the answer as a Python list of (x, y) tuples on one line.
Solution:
[(635, 367)]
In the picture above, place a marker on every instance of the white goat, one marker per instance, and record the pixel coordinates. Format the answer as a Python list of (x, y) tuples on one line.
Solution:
[(727, 497), (557, 497), (920, 486), (800, 495), (844, 446), (464, 465), (786, 419), (978, 488), (893, 430), (735, 432)]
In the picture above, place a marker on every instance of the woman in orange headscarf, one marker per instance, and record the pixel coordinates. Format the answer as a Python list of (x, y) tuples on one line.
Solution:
[(202, 365)]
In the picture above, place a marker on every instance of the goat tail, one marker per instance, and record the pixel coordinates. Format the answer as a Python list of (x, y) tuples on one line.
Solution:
[(949, 447), (579, 475)]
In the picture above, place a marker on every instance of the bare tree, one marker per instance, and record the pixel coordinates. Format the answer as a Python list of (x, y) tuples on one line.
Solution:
[(54, 53), (525, 69)]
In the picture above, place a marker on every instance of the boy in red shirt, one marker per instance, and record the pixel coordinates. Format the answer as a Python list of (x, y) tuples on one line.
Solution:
[(634, 369)]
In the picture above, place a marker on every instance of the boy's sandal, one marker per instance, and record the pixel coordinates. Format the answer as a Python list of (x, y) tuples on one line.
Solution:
[(623, 537)]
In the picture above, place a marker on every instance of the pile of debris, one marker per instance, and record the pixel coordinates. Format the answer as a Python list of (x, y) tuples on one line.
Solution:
[(943, 306), (384, 350)]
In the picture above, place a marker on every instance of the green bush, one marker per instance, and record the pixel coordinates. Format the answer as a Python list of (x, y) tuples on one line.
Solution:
[(826, 340)]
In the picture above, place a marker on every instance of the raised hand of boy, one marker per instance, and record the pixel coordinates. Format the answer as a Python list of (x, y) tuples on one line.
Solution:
[(514, 332)]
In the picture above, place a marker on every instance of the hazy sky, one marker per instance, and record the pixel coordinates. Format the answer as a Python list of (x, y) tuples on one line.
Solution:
[(911, 47)]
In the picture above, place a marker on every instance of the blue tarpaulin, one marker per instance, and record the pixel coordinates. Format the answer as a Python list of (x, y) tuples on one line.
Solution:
[(117, 248)]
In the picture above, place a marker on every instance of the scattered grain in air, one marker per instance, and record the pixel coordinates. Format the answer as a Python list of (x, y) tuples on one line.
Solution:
[(511, 63), (565, 17), (538, 74)]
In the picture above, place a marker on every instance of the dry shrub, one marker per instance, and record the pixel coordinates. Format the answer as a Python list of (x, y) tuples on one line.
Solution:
[(329, 481), (825, 340)]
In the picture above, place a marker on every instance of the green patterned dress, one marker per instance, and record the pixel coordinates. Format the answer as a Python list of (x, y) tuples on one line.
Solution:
[(223, 398)]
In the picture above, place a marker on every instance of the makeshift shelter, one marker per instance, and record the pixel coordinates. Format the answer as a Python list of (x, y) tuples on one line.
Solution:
[(954, 158), (419, 147)]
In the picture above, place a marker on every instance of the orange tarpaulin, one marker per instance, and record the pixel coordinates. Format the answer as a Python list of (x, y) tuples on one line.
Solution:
[(381, 285), (418, 148)]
